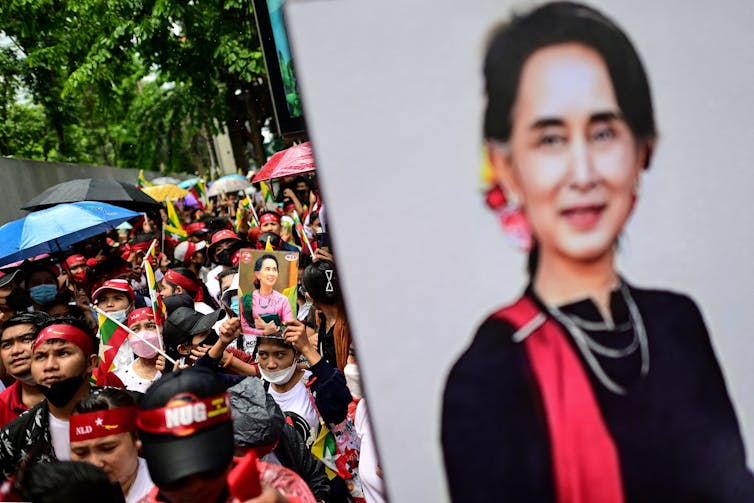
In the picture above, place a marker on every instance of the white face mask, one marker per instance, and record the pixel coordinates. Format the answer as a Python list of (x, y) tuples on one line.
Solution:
[(279, 377), (119, 316), (353, 379)]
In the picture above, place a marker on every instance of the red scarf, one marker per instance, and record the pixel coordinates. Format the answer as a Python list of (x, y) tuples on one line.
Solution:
[(584, 457)]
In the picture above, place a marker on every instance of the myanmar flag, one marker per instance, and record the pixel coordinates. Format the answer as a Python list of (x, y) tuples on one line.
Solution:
[(111, 337), (141, 182), (174, 226), (201, 191), (158, 308), (266, 193)]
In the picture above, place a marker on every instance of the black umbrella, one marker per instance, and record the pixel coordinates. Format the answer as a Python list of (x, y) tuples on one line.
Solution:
[(94, 189)]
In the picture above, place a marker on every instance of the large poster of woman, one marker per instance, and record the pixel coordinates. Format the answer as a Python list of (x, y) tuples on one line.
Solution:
[(267, 293), (607, 355)]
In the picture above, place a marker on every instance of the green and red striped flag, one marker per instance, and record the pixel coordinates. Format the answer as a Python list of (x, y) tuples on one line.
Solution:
[(158, 308), (111, 337), (198, 198), (302, 233)]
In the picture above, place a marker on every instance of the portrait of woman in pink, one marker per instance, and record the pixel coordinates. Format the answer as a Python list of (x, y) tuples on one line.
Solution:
[(264, 310)]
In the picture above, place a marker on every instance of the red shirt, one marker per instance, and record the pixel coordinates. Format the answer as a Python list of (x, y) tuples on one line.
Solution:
[(11, 405)]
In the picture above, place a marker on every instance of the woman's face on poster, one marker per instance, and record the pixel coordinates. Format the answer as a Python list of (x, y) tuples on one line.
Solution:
[(571, 161), (268, 273)]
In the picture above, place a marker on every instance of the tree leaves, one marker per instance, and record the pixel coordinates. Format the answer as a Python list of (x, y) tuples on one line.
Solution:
[(125, 82)]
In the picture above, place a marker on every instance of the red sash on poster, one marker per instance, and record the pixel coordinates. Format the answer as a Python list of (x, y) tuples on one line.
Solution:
[(584, 457)]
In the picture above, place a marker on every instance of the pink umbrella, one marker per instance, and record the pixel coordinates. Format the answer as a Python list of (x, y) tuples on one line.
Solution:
[(291, 161)]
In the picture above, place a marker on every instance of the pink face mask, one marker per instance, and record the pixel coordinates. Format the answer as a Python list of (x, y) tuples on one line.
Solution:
[(141, 348)]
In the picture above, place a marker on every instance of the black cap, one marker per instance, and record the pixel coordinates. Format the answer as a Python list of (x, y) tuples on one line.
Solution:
[(173, 302), (7, 277), (184, 323), (171, 457)]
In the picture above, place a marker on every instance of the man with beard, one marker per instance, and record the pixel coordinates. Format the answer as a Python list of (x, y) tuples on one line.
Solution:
[(16, 340), (63, 356)]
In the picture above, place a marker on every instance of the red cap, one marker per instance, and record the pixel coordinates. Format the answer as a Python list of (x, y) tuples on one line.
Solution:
[(141, 314), (119, 285), (102, 423), (68, 333), (195, 228), (223, 235), (75, 260), (186, 249)]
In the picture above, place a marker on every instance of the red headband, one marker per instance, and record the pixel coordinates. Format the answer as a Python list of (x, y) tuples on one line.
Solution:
[(75, 260), (141, 246), (269, 217), (185, 414), (179, 279), (102, 423), (141, 314), (66, 333)]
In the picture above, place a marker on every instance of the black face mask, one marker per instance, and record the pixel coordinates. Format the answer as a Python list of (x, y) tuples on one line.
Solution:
[(17, 300), (61, 392), (224, 258)]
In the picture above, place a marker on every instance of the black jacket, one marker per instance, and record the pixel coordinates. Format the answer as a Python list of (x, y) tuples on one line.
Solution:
[(675, 429), (26, 436)]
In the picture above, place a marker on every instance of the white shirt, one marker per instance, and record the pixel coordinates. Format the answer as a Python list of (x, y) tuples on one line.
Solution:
[(142, 484), (299, 401), (133, 381), (60, 436), (371, 483)]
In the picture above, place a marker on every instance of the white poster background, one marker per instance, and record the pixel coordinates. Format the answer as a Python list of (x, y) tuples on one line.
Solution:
[(393, 99)]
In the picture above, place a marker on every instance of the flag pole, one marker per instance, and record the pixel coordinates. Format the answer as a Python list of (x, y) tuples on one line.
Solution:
[(121, 325), (302, 233)]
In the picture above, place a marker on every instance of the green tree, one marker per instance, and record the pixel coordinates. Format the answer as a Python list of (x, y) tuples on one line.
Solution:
[(131, 83)]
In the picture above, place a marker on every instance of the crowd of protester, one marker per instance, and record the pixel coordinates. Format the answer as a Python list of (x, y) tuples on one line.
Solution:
[(118, 387)]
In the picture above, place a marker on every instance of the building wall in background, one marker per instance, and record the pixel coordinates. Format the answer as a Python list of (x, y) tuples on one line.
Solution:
[(22, 179)]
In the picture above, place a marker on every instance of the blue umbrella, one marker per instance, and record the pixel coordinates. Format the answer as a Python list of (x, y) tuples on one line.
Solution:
[(187, 184), (55, 229)]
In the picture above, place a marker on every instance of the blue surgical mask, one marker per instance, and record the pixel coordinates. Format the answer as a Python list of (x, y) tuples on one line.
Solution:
[(234, 304), (119, 316), (43, 294)]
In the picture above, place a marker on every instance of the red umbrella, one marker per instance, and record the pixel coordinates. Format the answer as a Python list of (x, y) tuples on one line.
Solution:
[(291, 161)]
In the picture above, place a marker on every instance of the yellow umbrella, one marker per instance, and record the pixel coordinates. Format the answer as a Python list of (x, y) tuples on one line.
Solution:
[(165, 192)]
